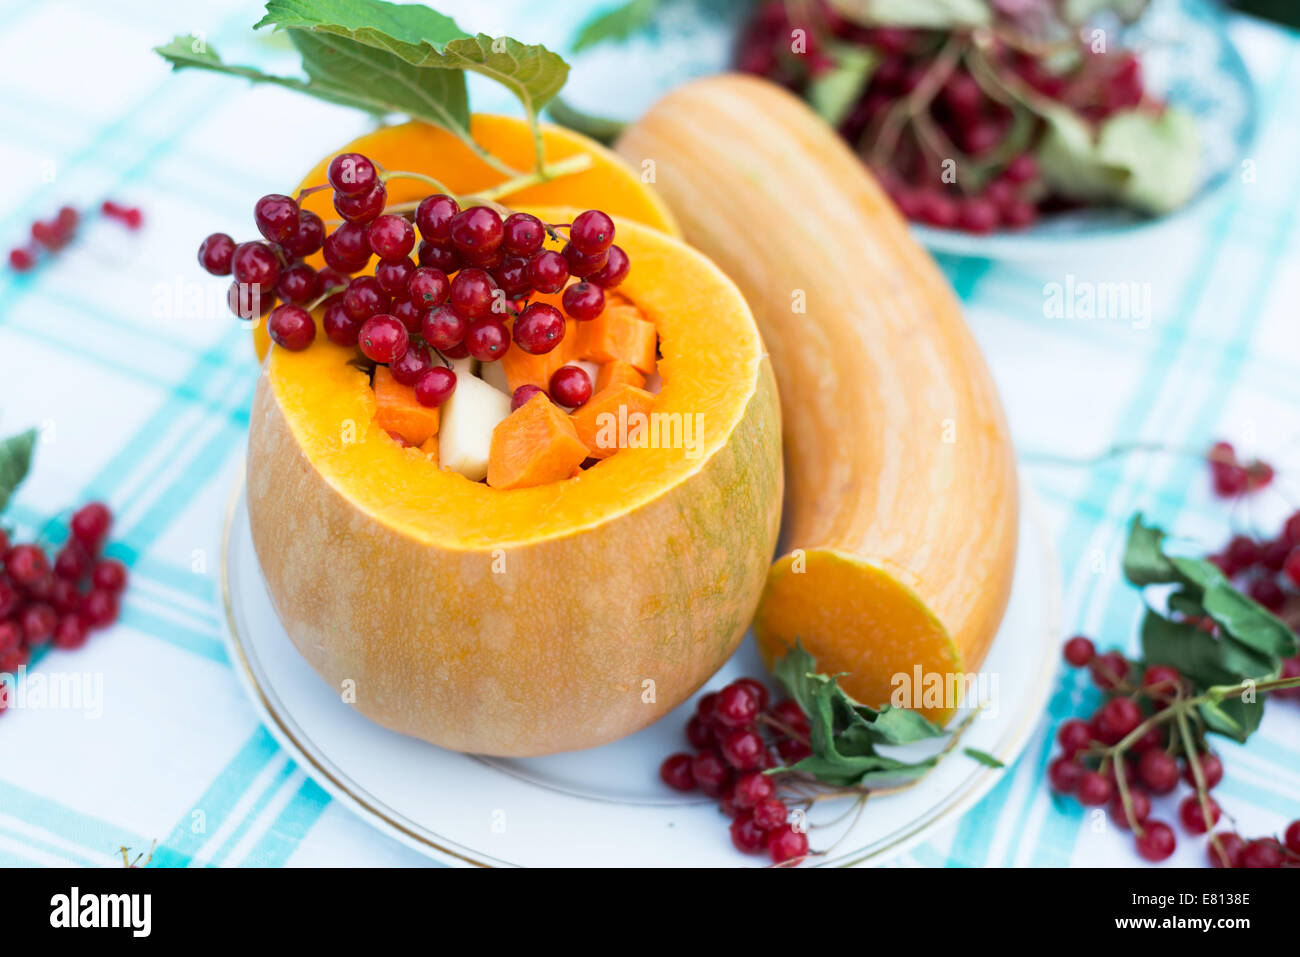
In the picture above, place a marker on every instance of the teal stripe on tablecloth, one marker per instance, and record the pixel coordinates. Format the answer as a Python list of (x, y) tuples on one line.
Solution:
[(73, 858), (76, 827), (10, 859), (218, 801), (252, 814), (290, 827), (203, 644)]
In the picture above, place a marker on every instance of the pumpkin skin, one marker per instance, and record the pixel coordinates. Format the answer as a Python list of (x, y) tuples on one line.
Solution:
[(421, 148), (901, 490), (529, 621)]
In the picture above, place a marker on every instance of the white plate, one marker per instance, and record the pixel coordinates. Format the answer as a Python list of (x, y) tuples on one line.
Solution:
[(606, 806)]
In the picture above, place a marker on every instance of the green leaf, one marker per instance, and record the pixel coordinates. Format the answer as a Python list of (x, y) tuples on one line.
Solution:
[(1187, 602), (1248, 622), (1138, 158), (843, 733), (1070, 161), (892, 725), (1145, 562), (419, 37), (796, 671), (15, 460), (1236, 718), (833, 92), (1161, 152), (983, 757), (1195, 653), (383, 84), (615, 25), (927, 14)]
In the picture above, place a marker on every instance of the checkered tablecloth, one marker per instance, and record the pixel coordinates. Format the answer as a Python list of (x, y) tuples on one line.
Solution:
[(122, 353)]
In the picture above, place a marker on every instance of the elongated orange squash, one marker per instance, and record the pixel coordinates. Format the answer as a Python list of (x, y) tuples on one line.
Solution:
[(901, 493), (533, 445), (531, 620)]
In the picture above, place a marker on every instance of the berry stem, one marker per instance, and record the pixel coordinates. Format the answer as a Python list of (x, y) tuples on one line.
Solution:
[(437, 184), (783, 728), (916, 102), (1198, 776), (1121, 781), (565, 167), (315, 303)]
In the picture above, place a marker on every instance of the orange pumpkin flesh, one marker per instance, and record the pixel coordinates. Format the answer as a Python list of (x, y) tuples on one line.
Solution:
[(901, 512), (532, 620), (417, 147)]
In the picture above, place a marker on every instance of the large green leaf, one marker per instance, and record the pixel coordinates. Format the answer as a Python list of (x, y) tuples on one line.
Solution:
[(422, 38), (15, 460), (1149, 160), (1161, 152), (1145, 562), (384, 83)]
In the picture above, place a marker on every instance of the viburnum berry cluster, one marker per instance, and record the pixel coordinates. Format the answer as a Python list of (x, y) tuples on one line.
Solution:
[(1233, 477), (737, 736), (933, 96), (57, 602), (1268, 570), (473, 271), (48, 236), (1139, 745)]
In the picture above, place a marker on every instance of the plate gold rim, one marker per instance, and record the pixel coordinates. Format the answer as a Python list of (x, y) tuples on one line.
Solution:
[(967, 793)]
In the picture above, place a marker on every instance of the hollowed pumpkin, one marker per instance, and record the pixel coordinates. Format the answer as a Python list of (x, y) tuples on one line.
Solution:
[(417, 147), (533, 620)]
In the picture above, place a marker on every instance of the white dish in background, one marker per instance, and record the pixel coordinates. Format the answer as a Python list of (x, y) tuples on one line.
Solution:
[(606, 806)]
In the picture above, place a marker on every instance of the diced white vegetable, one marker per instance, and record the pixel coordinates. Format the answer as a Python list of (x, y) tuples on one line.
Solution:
[(494, 375), (591, 368), (464, 367), (465, 429)]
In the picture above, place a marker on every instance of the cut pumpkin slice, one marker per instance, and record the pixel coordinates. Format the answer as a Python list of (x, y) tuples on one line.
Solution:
[(618, 372), (612, 419), (619, 333), (399, 412), (533, 445)]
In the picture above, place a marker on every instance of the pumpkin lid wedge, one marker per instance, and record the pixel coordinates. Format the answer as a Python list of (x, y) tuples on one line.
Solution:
[(710, 362)]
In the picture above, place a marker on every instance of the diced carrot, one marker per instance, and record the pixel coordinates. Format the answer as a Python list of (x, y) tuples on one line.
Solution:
[(618, 333), (601, 434), (533, 445), (430, 449), (523, 368), (618, 372), (398, 411)]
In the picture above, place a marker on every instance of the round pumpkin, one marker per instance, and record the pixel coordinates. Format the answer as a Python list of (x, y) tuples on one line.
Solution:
[(533, 620)]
